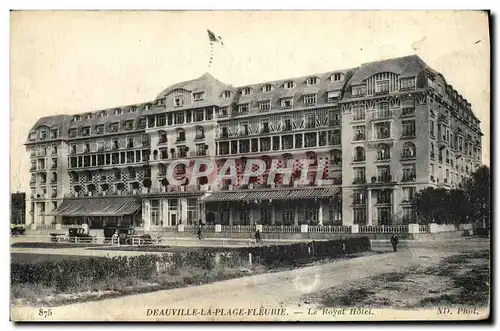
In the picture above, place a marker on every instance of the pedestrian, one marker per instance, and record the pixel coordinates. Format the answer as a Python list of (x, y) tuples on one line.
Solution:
[(394, 242), (199, 232), (257, 236)]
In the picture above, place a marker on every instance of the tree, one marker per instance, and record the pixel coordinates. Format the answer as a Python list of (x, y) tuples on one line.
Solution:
[(433, 205), (478, 191)]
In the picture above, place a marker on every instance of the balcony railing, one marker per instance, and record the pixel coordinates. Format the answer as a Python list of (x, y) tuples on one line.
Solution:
[(359, 159), (359, 181), (409, 178), (405, 155), (381, 114)]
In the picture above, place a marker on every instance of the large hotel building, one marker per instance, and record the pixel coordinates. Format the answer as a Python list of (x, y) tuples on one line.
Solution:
[(380, 132)]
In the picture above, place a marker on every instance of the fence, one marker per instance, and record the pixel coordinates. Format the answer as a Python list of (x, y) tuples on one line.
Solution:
[(329, 229), (383, 229), (281, 228)]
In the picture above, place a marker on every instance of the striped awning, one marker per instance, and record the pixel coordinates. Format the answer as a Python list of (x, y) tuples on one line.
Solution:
[(102, 206), (286, 194)]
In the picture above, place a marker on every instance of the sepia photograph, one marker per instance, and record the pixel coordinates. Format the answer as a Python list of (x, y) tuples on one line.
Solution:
[(244, 166)]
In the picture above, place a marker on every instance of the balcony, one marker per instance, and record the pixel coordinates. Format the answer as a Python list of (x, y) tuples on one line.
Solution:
[(408, 111), (408, 134), (382, 114), (407, 155), (359, 137), (382, 179), (408, 178), (357, 181), (359, 159)]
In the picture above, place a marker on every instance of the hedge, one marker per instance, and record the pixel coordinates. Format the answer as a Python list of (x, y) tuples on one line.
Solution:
[(67, 274)]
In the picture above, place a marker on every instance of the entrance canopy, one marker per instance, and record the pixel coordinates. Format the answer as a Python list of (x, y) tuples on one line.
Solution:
[(286, 194), (102, 206)]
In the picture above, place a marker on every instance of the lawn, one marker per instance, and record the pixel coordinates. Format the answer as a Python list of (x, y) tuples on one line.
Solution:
[(34, 258), (458, 280)]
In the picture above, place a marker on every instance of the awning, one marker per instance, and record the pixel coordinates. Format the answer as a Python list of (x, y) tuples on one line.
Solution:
[(101, 206), (286, 194)]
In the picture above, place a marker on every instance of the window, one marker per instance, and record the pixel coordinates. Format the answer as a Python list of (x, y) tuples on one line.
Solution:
[(264, 126), (382, 130), (409, 173), (243, 129), (288, 85), (359, 216), (359, 175), (243, 108), (226, 95), (114, 127), (43, 134), (359, 91), (117, 111), (384, 196), (312, 81), (224, 131), (337, 77), (310, 139), (86, 131), (33, 135), (288, 217), (310, 99), (76, 118), (73, 149), (359, 133), (334, 138), (129, 125), (382, 110), (286, 102), (99, 129), (198, 96), (408, 128), (409, 215), (409, 150), (384, 215), (265, 105), (333, 96), (179, 118), (53, 134), (310, 121), (359, 154), (408, 106), (181, 135), (245, 91), (383, 174), (155, 212), (287, 124), (382, 86), (287, 142), (267, 88), (358, 112), (409, 193), (178, 102), (200, 133), (407, 84), (199, 116), (383, 152)]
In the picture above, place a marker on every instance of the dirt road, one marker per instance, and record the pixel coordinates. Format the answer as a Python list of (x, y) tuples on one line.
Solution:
[(281, 290)]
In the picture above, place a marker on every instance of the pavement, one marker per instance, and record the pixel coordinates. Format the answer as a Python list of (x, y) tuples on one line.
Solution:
[(281, 290)]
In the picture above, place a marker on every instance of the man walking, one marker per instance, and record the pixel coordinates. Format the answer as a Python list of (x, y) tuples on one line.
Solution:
[(394, 242), (199, 232)]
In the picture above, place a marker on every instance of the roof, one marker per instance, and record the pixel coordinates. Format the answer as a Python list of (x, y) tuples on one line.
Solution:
[(102, 206), (275, 194), (406, 66), (206, 83)]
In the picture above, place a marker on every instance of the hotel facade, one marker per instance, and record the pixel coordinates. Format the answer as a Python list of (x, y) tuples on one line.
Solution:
[(357, 143)]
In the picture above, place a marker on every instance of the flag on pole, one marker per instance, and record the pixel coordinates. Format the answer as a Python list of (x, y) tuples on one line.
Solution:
[(214, 39)]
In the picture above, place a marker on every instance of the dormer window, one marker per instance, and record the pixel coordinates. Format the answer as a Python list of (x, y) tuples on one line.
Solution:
[(290, 84), (178, 102), (243, 108), (114, 127), (160, 102), (286, 102), (117, 112), (99, 129), (73, 132), (53, 134), (43, 134), (103, 114), (310, 99), (333, 96), (312, 81), (267, 88), (88, 116), (407, 84), (147, 106), (132, 109), (226, 94), (359, 90), (86, 131), (337, 77), (76, 118), (33, 136), (245, 91), (198, 96)]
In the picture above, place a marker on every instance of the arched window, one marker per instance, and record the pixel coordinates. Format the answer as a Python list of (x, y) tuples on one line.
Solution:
[(181, 135), (383, 152), (336, 157), (200, 132), (409, 150), (53, 179), (162, 139), (359, 154), (43, 178)]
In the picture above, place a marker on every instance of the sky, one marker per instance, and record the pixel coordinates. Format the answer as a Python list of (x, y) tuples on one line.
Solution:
[(73, 62)]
